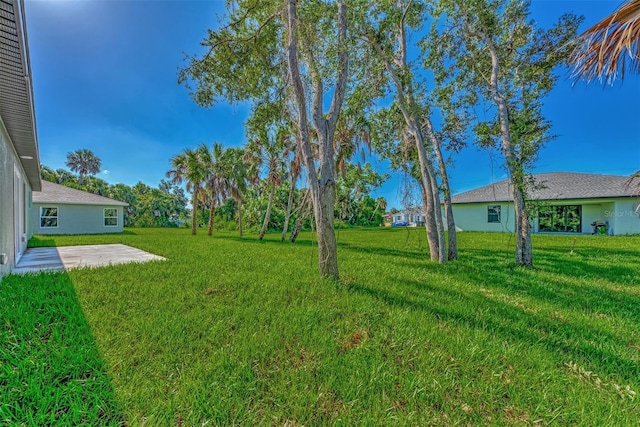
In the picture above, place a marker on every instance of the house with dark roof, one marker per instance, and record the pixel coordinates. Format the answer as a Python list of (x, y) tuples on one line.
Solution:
[(62, 210), (565, 202), (19, 156)]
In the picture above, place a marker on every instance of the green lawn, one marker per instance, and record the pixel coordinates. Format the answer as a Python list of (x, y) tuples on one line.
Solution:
[(234, 331)]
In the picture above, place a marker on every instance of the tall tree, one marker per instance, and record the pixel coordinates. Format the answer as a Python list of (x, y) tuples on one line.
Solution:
[(84, 162), (312, 43), (237, 173), (260, 46), (216, 181), (270, 137), (191, 166), (388, 39), (505, 65), (295, 165)]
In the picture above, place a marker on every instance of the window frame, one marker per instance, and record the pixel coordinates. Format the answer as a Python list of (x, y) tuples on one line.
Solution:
[(497, 214), (44, 217), (105, 217), (556, 219)]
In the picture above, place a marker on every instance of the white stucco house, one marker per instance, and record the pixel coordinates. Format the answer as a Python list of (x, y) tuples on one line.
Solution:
[(414, 217), (567, 203), (57, 209), (19, 155)]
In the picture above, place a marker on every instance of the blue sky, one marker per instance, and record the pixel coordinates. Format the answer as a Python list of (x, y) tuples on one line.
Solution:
[(105, 78)]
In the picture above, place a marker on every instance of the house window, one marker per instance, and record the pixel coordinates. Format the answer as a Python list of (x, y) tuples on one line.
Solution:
[(111, 217), (493, 213), (567, 219), (48, 217)]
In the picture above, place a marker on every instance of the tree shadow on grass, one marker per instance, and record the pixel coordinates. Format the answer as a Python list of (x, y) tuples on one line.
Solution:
[(571, 288), (52, 371), (617, 266), (567, 339)]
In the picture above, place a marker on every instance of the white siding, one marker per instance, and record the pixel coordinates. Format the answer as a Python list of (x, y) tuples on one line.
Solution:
[(76, 219), (9, 165)]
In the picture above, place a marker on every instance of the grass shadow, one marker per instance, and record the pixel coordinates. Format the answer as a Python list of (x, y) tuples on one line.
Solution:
[(568, 339), (52, 371)]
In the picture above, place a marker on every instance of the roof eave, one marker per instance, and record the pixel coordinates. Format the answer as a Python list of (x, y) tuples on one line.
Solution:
[(18, 112), (56, 202)]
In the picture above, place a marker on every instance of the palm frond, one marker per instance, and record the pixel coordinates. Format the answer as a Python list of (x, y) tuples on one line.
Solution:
[(610, 47)]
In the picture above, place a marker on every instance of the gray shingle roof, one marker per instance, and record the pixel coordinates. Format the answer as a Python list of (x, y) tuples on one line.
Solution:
[(55, 193), (16, 90), (556, 186)]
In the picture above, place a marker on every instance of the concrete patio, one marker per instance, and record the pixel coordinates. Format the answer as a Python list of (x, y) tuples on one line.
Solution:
[(68, 257)]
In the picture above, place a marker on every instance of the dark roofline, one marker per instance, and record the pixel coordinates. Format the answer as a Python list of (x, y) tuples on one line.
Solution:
[(555, 186), (62, 195)]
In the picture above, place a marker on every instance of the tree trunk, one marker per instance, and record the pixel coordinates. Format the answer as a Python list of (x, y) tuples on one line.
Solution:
[(322, 192), (448, 208), (327, 246), (287, 215), (194, 211), (431, 197), (433, 217), (303, 213), (524, 251), (212, 212), (297, 227), (267, 215), (240, 215)]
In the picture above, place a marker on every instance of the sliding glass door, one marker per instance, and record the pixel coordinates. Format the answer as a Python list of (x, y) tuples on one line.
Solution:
[(565, 218)]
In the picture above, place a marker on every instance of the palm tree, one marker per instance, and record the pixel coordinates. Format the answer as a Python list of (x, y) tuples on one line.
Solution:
[(295, 166), (190, 166), (605, 47), (236, 171), (267, 152), (216, 181), (84, 162)]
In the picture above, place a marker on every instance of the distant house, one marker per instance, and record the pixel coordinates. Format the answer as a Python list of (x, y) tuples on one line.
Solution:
[(19, 156), (62, 210), (413, 216), (566, 203)]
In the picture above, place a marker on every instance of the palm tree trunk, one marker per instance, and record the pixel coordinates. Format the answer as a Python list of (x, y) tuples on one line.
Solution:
[(303, 213), (194, 211), (287, 214), (267, 215), (240, 215), (212, 212)]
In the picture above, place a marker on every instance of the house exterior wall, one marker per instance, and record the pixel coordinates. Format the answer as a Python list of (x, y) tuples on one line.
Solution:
[(12, 175), (591, 213), (625, 218), (621, 215), (474, 217), (76, 219)]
